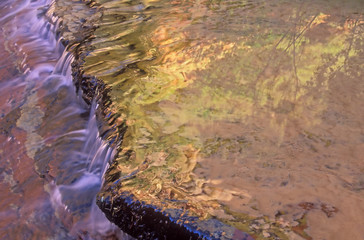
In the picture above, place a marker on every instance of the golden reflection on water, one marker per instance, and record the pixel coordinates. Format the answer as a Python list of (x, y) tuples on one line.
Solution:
[(245, 109)]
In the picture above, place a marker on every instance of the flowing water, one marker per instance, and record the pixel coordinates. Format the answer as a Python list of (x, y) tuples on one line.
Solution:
[(249, 112), (52, 156), (246, 112)]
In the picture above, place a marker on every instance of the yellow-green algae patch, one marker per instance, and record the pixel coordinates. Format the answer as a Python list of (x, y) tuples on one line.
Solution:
[(219, 96)]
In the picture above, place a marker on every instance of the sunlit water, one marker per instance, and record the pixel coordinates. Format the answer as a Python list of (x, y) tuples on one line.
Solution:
[(52, 157), (250, 112)]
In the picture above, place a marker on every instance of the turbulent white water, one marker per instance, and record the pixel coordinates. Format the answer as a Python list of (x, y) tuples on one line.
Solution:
[(61, 129)]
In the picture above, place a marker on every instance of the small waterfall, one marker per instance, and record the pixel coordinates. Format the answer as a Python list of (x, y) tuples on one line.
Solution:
[(89, 165), (62, 132)]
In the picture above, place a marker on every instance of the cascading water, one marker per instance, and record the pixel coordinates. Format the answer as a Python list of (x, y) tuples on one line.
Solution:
[(239, 119), (54, 139)]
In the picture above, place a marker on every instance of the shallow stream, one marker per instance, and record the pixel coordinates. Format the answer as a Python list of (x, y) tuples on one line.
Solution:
[(247, 112)]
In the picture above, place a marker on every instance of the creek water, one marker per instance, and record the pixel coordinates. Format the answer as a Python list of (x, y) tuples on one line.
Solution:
[(248, 112), (52, 156)]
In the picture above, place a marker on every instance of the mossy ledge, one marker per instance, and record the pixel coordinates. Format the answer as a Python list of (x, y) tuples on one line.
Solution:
[(144, 221), (140, 220)]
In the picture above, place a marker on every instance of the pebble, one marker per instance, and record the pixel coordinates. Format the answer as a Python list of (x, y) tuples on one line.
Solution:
[(265, 234), (266, 226)]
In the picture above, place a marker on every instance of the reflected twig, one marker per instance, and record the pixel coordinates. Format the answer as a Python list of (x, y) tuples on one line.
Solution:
[(300, 34)]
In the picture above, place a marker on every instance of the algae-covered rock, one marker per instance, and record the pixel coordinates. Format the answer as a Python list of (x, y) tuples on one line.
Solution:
[(229, 110)]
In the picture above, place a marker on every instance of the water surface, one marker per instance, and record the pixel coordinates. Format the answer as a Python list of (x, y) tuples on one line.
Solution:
[(249, 110), (52, 157)]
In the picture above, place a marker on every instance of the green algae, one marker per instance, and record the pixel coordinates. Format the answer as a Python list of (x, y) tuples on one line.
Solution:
[(189, 78)]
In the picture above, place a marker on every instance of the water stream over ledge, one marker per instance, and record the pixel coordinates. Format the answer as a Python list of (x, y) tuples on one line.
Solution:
[(238, 119), (52, 157)]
